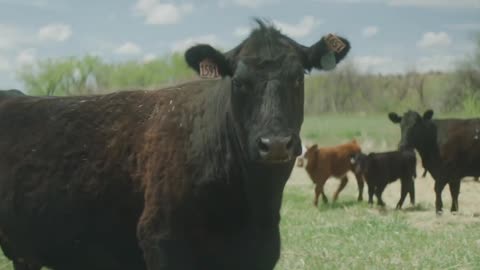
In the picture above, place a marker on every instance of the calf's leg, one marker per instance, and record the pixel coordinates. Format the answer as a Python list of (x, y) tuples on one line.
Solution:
[(404, 184), (454, 191), (378, 193), (343, 183), (360, 183), (371, 191), (319, 190)]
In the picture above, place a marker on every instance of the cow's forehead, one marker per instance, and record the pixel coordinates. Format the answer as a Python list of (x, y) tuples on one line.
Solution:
[(411, 116), (409, 119), (279, 66), (268, 43)]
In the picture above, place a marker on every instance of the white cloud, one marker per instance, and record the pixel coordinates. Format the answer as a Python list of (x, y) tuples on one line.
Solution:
[(437, 3), (437, 63), (241, 31), (299, 30), (149, 57), (250, 3), (370, 31), (128, 48), (434, 40), (245, 3), (161, 13), (182, 45), (55, 32), (27, 57)]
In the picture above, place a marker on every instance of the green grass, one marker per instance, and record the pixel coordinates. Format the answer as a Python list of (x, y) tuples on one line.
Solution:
[(333, 129), (350, 235)]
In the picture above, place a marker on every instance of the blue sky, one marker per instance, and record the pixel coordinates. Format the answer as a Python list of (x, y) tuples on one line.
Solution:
[(387, 36)]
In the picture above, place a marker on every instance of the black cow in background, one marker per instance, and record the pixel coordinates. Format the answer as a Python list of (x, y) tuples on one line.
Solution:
[(381, 169), (449, 148)]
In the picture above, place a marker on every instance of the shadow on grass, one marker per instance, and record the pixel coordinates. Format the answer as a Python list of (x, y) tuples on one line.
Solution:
[(339, 205), (419, 207)]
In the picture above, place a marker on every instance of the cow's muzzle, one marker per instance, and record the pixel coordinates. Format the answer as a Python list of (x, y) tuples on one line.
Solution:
[(276, 149)]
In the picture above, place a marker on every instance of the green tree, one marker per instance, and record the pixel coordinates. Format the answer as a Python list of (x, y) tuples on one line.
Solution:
[(90, 74)]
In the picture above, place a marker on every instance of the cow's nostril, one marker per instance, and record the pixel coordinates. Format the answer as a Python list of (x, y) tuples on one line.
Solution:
[(263, 145)]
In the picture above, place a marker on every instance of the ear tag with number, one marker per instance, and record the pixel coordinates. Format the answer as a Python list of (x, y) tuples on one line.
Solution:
[(208, 69)]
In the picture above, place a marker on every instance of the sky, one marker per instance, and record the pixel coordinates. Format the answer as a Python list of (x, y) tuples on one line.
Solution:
[(387, 36)]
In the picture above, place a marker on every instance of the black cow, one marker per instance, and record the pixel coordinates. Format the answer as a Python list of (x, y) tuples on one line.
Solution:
[(449, 148), (380, 169), (187, 177)]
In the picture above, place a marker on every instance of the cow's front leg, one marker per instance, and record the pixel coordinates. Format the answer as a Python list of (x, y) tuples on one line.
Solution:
[(162, 248), (439, 185), (454, 191)]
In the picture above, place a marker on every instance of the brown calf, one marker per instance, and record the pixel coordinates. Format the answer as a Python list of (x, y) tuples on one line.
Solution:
[(325, 162)]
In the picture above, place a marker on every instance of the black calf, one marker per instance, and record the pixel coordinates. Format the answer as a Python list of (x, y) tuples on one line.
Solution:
[(380, 169)]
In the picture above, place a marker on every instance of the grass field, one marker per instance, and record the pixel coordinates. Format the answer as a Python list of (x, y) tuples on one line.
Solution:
[(351, 235)]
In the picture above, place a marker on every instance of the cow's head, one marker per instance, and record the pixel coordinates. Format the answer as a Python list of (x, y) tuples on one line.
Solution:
[(359, 163), (266, 77), (413, 126)]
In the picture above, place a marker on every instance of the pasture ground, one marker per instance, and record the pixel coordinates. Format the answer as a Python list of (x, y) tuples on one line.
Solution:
[(351, 235)]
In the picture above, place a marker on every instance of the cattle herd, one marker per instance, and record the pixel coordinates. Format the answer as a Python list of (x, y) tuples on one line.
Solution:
[(449, 150), (192, 176)]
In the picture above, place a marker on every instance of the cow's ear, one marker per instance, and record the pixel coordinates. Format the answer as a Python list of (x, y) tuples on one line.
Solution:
[(327, 53), (394, 118), (428, 115), (313, 147), (213, 61)]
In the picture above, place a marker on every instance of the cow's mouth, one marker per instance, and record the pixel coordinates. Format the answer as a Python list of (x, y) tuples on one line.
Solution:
[(275, 161)]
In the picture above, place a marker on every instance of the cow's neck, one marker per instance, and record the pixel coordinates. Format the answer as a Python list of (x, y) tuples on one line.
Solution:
[(262, 183), (252, 189), (428, 150)]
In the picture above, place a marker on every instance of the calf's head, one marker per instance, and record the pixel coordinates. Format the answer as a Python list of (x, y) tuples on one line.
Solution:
[(266, 84), (307, 153), (414, 128), (359, 163)]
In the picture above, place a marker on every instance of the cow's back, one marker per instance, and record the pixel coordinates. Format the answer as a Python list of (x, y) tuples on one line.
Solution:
[(75, 170), (336, 160), (391, 165), (65, 179)]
